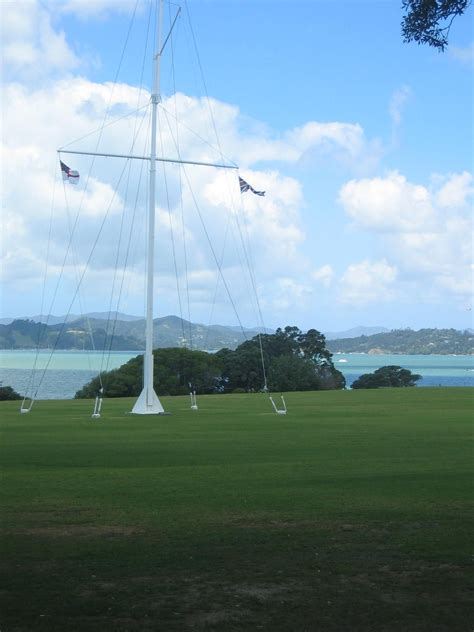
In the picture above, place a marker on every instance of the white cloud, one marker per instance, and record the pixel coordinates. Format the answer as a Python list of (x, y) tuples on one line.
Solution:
[(96, 8), (290, 293), (31, 47), (455, 190), (463, 54), (343, 143), (323, 275), (397, 104), (312, 134), (368, 282), (389, 204), (427, 231), (265, 231), (424, 229)]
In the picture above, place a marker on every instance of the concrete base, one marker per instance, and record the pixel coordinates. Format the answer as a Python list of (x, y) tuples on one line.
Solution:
[(148, 405)]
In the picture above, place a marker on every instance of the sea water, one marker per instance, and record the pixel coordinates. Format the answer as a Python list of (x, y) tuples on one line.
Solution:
[(57, 375), (436, 370), (62, 374)]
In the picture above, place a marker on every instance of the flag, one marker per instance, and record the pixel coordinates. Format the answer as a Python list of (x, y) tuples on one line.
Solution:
[(245, 186), (69, 174)]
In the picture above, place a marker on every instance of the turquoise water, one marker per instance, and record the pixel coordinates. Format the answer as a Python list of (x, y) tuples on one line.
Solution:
[(64, 360), (56, 376), (62, 374), (436, 370)]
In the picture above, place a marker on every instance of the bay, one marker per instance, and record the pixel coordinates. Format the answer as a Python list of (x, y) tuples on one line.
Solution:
[(436, 370), (59, 375), (65, 372)]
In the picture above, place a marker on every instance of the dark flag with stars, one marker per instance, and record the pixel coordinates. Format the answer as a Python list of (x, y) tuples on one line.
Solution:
[(245, 186)]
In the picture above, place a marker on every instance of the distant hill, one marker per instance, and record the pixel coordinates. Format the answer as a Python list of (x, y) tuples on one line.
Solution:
[(57, 320), (408, 341), (354, 332), (127, 333), (26, 334), (169, 331)]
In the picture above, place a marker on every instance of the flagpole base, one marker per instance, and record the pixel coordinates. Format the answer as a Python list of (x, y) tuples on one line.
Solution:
[(148, 404)]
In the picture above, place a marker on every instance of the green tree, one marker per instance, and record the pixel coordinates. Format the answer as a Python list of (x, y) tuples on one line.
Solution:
[(292, 373), (429, 21), (7, 393), (294, 360), (242, 368), (390, 375), (313, 347), (174, 370)]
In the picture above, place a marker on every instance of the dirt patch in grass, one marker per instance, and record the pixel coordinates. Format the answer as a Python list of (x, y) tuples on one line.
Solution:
[(264, 521), (217, 617), (265, 592), (81, 531), (246, 599), (231, 604), (413, 571)]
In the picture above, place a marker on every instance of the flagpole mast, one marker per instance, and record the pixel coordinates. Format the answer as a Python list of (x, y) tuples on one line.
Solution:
[(148, 402)]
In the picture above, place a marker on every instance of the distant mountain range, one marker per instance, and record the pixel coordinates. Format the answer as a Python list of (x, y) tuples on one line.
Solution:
[(354, 332), (127, 333), (408, 341), (57, 320), (96, 331), (120, 316)]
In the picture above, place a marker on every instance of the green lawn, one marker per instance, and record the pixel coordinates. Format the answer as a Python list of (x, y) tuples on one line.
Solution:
[(349, 513)]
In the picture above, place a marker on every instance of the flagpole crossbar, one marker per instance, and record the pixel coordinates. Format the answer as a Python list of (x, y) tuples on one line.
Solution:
[(133, 157)]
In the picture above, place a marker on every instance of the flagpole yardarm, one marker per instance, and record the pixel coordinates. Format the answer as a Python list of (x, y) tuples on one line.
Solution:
[(133, 157)]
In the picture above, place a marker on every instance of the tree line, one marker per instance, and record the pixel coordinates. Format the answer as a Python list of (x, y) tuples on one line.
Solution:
[(288, 360)]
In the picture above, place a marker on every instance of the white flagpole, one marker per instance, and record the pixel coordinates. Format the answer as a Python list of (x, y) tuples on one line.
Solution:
[(148, 402)]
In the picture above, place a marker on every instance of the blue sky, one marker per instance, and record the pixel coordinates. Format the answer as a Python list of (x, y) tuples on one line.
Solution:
[(363, 144)]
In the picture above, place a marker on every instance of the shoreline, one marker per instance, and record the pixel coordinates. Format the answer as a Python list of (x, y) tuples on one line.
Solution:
[(140, 351)]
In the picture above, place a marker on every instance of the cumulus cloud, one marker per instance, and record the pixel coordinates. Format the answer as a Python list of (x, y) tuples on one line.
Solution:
[(323, 275), (343, 143), (261, 232), (455, 190), (288, 293), (368, 282), (31, 46), (388, 204), (266, 233), (412, 220), (427, 230)]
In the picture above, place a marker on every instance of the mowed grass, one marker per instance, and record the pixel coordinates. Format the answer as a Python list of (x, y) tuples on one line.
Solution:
[(349, 513)]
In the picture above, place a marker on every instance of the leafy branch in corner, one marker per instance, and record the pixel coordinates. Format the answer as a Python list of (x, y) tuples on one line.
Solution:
[(429, 21)]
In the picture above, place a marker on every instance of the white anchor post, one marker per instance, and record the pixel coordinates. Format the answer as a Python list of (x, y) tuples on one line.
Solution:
[(148, 402)]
